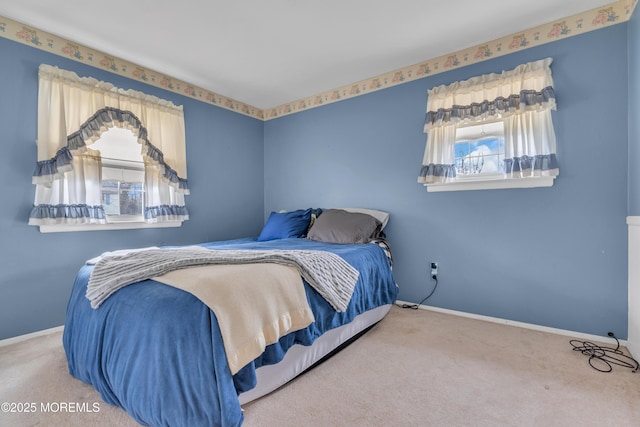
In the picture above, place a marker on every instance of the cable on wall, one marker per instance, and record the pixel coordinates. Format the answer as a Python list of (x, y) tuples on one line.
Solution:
[(415, 306), (602, 358)]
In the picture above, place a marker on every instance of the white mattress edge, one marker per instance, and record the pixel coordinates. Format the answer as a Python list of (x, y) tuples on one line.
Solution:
[(298, 358)]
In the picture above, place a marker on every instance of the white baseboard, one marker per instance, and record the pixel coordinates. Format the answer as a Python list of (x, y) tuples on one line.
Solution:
[(20, 338), (589, 337), (564, 332)]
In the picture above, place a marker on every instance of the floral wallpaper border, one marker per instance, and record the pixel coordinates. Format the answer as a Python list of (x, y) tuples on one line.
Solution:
[(53, 44), (614, 13), (595, 19)]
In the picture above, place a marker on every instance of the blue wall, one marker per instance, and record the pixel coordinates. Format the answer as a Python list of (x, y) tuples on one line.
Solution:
[(563, 265), (225, 170), (554, 256)]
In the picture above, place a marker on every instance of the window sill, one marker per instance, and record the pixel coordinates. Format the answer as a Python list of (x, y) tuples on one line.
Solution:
[(61, 228), (492, 184)]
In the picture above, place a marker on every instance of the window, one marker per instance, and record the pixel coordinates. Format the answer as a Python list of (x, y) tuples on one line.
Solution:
[(479, 151), (492, 131), (122, 180), (122, 192), (99, 165)]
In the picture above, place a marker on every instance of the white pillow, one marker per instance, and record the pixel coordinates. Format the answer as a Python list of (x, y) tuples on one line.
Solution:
[(381, 216)]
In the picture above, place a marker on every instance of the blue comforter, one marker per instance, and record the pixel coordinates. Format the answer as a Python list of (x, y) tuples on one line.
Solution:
[(156, 351)]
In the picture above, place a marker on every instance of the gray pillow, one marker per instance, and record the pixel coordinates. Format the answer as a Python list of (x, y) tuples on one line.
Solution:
[(338, 226)]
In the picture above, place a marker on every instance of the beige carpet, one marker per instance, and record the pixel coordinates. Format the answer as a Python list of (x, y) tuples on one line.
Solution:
[(415, 368)]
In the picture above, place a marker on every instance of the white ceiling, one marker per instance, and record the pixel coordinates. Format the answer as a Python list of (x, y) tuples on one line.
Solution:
[(267, 53)]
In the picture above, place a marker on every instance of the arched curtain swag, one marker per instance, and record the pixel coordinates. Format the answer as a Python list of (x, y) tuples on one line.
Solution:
[(521, 98), (73, 112)]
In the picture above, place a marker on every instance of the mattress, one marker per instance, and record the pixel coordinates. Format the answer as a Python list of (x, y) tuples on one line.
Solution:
[(299, 358)]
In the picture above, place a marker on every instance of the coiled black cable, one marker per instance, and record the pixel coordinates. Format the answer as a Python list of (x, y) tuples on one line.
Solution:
[(603, 358)]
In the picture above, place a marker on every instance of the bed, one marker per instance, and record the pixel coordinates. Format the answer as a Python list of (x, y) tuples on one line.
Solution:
[(157, 351)]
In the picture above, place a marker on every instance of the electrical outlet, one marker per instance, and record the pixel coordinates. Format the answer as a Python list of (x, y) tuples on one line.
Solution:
[(434, 270)]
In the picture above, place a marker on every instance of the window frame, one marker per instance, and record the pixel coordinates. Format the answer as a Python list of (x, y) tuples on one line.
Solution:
[(491, 184), (489, 180), (61, 228)]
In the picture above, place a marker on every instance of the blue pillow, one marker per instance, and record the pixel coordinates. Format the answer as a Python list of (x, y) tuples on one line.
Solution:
[(282, 225)]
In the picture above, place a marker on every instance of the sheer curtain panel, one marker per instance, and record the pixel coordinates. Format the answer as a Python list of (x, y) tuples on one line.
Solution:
[(521, 98), (73, 112)]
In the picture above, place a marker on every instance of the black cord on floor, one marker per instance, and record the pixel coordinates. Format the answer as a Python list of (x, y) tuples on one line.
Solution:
[(605, 357), (415, 306)]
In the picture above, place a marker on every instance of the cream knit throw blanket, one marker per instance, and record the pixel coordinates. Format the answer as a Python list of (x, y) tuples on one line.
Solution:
[(326, 272), (251, 313)]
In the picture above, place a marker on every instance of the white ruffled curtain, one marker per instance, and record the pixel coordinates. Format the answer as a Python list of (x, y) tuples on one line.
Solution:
[(522, 98), (72, 114)]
